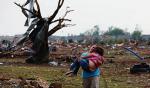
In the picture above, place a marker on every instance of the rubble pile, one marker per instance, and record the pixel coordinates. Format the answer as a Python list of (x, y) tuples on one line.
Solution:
[(22, 83)]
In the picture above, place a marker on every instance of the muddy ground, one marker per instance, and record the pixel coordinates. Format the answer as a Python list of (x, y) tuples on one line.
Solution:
[(115, 73)]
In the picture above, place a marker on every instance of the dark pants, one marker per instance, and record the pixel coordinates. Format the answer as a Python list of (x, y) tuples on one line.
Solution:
[(84, 63)]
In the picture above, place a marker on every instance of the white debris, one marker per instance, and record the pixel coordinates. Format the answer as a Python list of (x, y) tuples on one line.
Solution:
[(1, 63), (53, 63)]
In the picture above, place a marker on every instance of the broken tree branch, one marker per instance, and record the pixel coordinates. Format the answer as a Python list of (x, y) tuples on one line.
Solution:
[(60, 3), (26, 9), (38, 9), (60, 20)]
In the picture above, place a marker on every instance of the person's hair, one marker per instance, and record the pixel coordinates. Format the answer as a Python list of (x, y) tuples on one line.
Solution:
[(99, 50)]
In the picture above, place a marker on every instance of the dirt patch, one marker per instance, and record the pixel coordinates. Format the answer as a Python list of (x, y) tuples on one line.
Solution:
[(22, 83)]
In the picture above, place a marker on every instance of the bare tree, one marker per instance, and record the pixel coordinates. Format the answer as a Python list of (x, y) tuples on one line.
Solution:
[(38, 31)]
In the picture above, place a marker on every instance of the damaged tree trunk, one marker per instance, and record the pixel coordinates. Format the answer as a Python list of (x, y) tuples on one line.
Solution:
[(40, 49), (38, 32)]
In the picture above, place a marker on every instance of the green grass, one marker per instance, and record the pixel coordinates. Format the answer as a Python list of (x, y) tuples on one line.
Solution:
[(49, 74), (115, 75)]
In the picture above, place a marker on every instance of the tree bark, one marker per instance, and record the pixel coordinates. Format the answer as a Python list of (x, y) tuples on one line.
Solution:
[(40, 48)]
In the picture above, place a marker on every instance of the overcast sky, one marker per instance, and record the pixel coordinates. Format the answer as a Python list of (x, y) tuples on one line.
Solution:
[(120, 13)]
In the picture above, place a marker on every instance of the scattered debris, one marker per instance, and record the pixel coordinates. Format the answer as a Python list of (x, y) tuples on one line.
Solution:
[(110, 61), (1, 63), (142, 67), (55, 85), (22, 83), (53, 63)]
